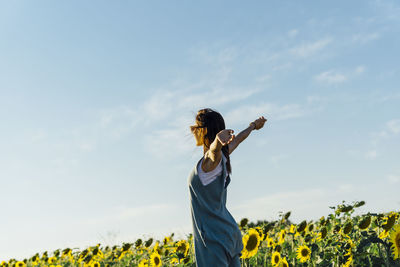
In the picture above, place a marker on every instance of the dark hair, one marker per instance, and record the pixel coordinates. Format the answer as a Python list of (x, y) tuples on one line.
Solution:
[(214, 123)]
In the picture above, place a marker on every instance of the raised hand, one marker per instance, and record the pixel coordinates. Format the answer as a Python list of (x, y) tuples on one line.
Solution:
[(259, 123), (225, 136)]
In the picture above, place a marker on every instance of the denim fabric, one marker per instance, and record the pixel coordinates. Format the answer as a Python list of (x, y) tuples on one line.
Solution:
[(217, 237), (215, 256)]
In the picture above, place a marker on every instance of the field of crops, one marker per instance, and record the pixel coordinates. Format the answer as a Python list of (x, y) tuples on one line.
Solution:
[(340, 239)]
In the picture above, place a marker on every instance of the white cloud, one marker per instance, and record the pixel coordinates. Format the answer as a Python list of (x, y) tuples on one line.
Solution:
[(275, 159), (389, 97), (352, 152), (379, 135), (359, 69), (88, 146), (263, 78), (390, 10), (365, 38), (370, 154), (284, 66), (170, 143), (394, 126), (39, 135), (293, 33), (118, 121), (314, 99), (309, 49), (268, 110), (165, 104), (393, 179), (215, 97), (346, 188), (330, 77), (214, 54)]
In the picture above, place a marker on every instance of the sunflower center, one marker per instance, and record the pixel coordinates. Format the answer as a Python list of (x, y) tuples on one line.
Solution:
[(182, 248), (398, 240), (156, 260), (251, 243), (304, 252), (276, 259)]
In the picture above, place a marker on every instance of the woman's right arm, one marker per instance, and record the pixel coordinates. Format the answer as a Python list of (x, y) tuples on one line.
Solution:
[(255, 125)]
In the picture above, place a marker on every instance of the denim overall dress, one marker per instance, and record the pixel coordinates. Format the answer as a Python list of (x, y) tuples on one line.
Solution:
[(217, 237)]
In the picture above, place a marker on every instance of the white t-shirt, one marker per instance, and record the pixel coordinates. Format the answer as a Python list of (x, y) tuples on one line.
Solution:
[(208, 177)]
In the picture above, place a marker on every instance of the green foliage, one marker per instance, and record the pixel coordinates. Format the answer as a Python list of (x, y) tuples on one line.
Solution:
[(337, 239)]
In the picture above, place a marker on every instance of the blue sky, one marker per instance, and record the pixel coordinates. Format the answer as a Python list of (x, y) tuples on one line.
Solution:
[(96, 99)]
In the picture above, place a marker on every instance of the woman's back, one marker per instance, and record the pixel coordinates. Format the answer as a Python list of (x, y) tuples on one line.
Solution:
[(212, 222)]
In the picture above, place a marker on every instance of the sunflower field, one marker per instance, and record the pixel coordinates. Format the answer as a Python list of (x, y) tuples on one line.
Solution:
[(340, 239)]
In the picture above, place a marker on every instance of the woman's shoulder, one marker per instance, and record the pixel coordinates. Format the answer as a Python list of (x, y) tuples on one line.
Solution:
[(213, 167)]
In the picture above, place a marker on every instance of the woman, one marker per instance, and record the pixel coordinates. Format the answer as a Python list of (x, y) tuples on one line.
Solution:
[(217, 237)]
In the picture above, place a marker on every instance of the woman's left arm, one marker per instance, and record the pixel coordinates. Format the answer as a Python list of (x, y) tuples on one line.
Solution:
[(255, 125)]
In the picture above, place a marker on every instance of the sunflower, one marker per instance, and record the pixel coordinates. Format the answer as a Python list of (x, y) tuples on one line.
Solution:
[(270, 242), (66, 253), (284, 263), (349, 256), (157, 248), (309, 228), (303, 253), (301, 226), (349, 261), (166, 240), (144, 263), (365, 222), (52, 260), (276, 258), (20, 264), (384, 234), (155, 259), (322, 234), (282, 234), (350, 244), (95, 264), (174, 261), (260, 232), (390, 220), (182, 247), (292, 229), (122, 254), (395, 240), (251, 241), (347, 228)]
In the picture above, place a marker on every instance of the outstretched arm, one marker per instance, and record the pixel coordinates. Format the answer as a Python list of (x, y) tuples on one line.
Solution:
[(255, 125)]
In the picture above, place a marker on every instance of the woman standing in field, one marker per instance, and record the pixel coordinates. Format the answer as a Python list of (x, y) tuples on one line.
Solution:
[(217, 237)]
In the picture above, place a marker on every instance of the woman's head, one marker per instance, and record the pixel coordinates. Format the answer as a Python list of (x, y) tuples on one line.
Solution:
[(208, 123)]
